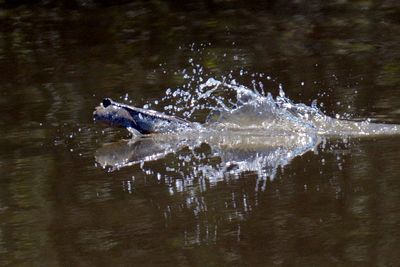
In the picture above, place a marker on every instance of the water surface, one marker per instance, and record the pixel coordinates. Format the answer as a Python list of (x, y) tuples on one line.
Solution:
[(336, 204)]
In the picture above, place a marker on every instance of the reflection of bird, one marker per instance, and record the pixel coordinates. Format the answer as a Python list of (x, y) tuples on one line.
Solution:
[(238, 151), (129, 152)]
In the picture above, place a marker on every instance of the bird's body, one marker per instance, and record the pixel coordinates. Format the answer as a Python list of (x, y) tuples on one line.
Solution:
[(142, 120)]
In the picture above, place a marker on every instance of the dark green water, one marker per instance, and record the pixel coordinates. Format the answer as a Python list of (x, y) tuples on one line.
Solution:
[(331, 207)]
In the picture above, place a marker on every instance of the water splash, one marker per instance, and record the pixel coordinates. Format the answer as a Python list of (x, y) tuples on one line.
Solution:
[(231, 105), (245, 129)]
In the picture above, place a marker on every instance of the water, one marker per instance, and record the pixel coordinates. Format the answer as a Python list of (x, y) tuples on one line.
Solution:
[(250, 132), (195, 201)]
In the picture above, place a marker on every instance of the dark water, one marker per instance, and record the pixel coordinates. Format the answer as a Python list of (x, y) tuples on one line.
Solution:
[(335, 206)]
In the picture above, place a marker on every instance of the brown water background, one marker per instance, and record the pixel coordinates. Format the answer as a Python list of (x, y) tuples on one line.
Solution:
[(331, 207)]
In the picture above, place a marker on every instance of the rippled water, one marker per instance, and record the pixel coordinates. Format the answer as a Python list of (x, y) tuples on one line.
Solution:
[(236, 199)]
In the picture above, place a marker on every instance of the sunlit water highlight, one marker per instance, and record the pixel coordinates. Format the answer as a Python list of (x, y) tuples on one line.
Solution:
[(246, 130)]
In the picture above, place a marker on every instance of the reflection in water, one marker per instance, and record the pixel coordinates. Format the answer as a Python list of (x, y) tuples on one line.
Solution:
[(221, 176), (335, 206), (197, 169), (295, 215), (236, 152)]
